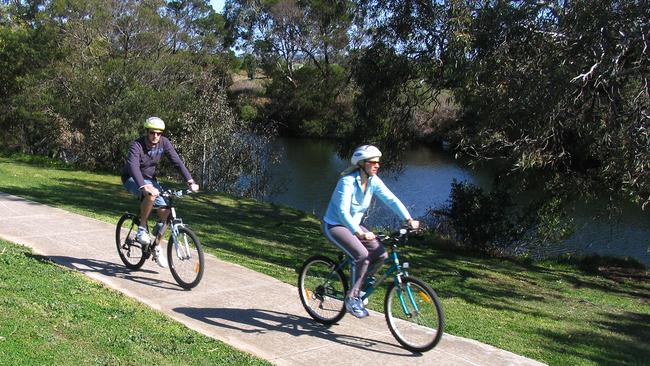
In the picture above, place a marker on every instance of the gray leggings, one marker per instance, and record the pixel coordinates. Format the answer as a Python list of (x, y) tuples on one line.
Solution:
[(368, 256)]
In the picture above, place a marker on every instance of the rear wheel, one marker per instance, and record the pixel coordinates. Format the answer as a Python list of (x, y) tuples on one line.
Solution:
[(129, 249), (322, 289), (186, 259), (414, 314)]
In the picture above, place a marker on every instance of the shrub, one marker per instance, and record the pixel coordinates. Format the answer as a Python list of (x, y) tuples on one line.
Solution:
[(248, 113), (492, 223)]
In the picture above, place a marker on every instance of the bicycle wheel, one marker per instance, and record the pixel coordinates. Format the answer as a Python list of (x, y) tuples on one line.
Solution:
[(322, 289), (129, 249), (414, 314), (185, 256)]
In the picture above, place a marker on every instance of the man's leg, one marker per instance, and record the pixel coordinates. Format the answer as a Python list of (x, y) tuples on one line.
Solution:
[(163, 214), (145, 209)]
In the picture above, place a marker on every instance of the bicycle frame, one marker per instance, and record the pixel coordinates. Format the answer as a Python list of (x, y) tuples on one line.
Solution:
[(396, 270), (412, 309), (174, 222)]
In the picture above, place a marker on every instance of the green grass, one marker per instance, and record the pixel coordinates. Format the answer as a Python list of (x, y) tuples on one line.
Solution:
[(50, 315), (550, 311)]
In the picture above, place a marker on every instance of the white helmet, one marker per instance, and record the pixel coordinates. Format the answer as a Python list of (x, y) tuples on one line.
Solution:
[(364, 152)]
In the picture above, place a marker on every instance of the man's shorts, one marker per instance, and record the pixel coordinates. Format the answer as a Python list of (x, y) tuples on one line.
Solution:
[(133, 188)]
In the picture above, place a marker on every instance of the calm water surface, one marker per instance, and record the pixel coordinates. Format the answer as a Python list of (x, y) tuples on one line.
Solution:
[(309, 169)]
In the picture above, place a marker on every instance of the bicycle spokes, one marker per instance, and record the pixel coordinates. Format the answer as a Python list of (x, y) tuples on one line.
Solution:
[(322, 289), (414, 314)]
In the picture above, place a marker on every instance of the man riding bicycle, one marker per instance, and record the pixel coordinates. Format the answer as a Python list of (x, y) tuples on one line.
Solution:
[(342, 222), (139, 177)]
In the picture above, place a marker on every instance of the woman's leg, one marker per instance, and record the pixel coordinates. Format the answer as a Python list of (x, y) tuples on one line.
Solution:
[(343, 238), (376, 255)]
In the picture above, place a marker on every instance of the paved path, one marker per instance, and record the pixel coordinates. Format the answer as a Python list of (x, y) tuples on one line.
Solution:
[(250, 311)]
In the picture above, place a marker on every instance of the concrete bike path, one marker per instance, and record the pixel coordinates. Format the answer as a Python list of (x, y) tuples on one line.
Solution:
[(248, 310)]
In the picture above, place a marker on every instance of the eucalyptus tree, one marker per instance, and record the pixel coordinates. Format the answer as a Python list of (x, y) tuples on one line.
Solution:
[(118, 62), (562, 91), (196, 26), (403, 66), (557, 89), (27, 46), (302, 46)]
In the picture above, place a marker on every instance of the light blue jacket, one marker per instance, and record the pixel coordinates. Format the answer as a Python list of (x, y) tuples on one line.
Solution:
[(349, 203)]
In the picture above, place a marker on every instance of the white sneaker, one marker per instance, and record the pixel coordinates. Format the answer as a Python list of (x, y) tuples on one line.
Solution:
[(365, 301), (142, 236), (160, 258), (355, 307)]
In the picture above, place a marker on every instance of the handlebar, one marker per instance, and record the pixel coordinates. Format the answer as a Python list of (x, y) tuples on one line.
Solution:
[(174, 193), (178, 193), (402, 232)]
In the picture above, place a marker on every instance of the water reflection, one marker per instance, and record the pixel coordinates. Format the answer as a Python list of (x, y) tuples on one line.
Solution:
[(309, 169)]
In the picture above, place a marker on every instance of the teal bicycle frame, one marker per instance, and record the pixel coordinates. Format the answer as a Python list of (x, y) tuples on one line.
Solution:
[(395, 269), (412, 309)]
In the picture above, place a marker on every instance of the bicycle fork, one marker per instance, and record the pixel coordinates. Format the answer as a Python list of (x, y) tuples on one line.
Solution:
[(181, 246), (403, 288)]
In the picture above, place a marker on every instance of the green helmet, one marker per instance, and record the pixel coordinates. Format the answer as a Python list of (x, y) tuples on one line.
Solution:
[(154, 123)]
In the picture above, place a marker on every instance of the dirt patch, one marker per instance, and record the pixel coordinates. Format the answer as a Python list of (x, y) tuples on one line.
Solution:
[(621, 274)]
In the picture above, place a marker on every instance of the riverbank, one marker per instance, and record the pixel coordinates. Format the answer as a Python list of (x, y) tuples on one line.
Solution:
[(425, 182), (550, 311)]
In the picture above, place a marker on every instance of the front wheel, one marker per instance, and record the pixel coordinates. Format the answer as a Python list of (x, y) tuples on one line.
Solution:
[(129, 249), (414, 314), (185, 256), (322, 289)]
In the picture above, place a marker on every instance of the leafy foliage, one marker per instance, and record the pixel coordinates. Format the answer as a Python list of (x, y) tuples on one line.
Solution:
[(491, 223), (225, 152), (301, 46), (115, 64)]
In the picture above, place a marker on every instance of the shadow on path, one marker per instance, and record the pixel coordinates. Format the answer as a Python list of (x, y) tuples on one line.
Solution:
[(110, 269), (264, 321)]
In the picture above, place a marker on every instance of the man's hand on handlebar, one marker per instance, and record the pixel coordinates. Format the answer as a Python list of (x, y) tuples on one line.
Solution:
[(193, 186), (150, 190)]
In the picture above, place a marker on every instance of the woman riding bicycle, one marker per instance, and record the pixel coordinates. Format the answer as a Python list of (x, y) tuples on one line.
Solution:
[(342, 222)]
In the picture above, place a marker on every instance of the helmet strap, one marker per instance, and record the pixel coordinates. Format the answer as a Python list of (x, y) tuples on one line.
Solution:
[(362, 167)]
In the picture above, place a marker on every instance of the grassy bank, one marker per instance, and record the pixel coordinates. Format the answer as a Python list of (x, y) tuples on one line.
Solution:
[(554, 312), (51, 315)]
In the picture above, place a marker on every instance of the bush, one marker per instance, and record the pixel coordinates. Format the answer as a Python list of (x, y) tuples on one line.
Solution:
[(482, 222), (248, 113), (492, 223)]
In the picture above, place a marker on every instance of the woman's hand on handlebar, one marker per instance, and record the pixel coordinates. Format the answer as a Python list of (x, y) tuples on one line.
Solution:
[(367, 235), (413, 224)]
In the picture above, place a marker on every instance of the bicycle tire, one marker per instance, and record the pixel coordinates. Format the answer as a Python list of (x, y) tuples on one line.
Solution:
[(322, 290), (128, 248), (417, 331), (187, 268)]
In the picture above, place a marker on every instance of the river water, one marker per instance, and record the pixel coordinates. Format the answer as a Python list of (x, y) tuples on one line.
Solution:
[(308, 171)]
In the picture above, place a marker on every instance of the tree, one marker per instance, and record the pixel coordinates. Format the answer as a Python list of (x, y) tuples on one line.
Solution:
[(227, 154), (301, 46), (549, 89), (117, 63), (27, 46)]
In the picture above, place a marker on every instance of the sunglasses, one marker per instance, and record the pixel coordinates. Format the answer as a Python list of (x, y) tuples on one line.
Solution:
[(155, 133), (373, 162)]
